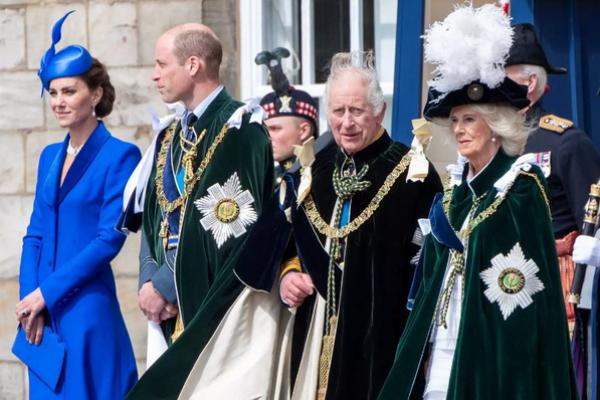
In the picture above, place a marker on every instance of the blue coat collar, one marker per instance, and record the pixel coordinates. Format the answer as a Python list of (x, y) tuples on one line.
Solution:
[(53, 190)]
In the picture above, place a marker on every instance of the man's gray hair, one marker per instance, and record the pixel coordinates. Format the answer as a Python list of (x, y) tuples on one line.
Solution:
[(202, 44), (524, 71), (362, 62)]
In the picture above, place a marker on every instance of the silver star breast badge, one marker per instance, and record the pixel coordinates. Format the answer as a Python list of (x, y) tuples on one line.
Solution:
[(511, 281), (226, 210)]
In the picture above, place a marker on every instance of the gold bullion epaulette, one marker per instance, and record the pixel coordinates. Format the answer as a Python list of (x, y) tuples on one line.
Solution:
[(555, 124)]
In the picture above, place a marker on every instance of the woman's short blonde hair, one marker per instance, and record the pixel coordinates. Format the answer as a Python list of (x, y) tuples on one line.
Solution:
[(506, 123)]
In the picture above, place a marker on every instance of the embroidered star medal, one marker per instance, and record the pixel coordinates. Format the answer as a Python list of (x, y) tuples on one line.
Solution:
[(511, 281), (227, 210)]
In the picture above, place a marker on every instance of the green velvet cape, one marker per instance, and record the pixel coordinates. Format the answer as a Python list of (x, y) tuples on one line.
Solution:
[(527, 355), (206, 284), (374, 287)]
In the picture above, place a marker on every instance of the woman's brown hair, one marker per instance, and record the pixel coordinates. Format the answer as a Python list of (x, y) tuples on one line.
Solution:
[(96, 77)]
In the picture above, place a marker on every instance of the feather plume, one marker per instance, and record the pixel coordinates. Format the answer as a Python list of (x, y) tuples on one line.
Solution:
[(56, 36), (505, 5), (469, 44)]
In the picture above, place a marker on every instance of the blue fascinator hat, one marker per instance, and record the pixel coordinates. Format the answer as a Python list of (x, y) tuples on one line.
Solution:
[(72, 60)]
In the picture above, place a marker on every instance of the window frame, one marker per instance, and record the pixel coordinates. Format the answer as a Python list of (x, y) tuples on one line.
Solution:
[(251, 43)]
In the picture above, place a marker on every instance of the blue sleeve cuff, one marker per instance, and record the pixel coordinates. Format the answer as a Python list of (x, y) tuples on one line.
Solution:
[(148, 266), (163, 281), (147, 271)]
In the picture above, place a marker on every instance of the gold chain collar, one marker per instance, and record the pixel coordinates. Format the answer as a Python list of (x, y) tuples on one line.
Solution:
[(473, 222), (333, 232), (191, 177), (492, 208), (457, 260)]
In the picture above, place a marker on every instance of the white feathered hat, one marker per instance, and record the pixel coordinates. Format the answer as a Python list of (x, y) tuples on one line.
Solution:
[(469, 49)]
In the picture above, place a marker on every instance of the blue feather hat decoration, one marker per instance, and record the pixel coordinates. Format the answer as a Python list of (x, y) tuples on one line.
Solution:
[(72, 60)]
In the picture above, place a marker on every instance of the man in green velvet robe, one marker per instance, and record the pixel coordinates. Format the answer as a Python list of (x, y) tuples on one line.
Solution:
[(355, 236), (209, 176)]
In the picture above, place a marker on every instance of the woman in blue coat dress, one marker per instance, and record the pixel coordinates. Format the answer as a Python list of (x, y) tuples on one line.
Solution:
[(66, 281)]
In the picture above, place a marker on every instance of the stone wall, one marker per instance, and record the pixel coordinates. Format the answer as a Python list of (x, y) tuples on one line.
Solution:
[(122, 35)]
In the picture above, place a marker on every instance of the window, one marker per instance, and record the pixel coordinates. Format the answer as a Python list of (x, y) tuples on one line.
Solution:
[(314, 30)]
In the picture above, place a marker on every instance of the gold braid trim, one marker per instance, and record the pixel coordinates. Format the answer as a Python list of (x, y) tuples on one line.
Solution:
[(540, 186), (190, 178), (293, 264), (482, 216), (178, 328), (457, 259), (491, 209), (326, 357), (332, 232), (447, 198)]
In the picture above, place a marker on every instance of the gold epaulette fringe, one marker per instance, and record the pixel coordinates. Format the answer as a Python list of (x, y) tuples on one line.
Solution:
[(554, 123)]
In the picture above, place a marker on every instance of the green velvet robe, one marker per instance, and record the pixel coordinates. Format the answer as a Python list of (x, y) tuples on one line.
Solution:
[(527, 355), (373, 289), (206, 284)]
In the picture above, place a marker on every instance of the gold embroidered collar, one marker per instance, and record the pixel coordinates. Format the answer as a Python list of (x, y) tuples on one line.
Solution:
[(334, 232)]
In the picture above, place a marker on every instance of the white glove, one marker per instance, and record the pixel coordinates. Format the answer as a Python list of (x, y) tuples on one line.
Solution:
[(587, 250)]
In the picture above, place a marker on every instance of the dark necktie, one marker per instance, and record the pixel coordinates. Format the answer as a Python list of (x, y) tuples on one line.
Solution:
[(189, 127)]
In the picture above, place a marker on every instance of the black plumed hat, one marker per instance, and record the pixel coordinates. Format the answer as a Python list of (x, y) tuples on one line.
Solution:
[(508, 92), (526, 49), (469, 49), (285, 100)]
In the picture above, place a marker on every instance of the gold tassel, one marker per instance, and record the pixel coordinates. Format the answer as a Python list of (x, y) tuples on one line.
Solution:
[(178, 328), (164, 231), (325, 359)]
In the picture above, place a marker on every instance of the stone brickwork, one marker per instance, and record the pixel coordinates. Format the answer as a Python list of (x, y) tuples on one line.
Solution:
[(121, 34)]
